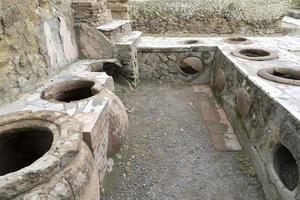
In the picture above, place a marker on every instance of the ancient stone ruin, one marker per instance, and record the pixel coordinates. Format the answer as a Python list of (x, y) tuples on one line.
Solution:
[(74, 123)]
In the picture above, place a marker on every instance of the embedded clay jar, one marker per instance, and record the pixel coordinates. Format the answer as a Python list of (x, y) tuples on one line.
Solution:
[(117, 122), (255, 54), (282, 75), (82, 89), (191, 66), (286, 167), (43, 156), (243, 102), (237, 40), (71, 90), (219, 82)]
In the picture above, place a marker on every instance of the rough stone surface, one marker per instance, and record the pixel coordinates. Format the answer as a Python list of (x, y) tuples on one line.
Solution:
[(91, 13), (206, 16), (37, 39), (164, 65), (66, 171)]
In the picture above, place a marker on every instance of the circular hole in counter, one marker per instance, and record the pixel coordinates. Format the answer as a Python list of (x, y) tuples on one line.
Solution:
[(286, 167), (255, 54), (191, 41), (237, 40), (70, 90), (281, 75), (190, 66), (20, 147)]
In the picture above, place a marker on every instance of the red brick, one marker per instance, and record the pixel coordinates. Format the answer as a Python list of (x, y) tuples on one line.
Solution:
[(210, 114)]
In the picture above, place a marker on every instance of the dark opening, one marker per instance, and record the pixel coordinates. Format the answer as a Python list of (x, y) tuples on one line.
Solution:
[(75, 94), (190, 42), (190, 65), (111, 69), (237, 39), (254, 52), (287, 74), (21, 147), (74, 90), (286, 167)]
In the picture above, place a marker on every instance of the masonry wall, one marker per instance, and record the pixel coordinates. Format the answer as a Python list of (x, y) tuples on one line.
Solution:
[(164, 64), (36, 40)]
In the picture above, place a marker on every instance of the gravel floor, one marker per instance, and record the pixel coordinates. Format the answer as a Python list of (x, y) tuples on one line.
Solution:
[(169, 155)]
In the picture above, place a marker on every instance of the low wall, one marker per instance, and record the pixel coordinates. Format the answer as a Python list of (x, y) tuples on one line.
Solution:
[(207, 16)]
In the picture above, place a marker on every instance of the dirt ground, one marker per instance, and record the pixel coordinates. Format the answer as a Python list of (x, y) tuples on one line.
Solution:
[(169, 155)]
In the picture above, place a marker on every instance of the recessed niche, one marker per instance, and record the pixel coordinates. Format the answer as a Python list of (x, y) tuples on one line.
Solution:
[(281, 75), (190, 66), (21, 147), (69, 91), (111, 67), (255, 54), (286, 167), (237, 40)]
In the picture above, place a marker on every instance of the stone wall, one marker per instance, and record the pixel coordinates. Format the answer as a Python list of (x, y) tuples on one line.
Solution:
[(164, 64), (207, 16), (36, 39)]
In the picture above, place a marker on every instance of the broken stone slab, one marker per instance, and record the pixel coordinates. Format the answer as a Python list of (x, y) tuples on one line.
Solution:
[(63, 167), (94, 44)]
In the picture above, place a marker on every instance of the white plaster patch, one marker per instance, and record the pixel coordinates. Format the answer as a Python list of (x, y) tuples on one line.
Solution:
[(69, 44)]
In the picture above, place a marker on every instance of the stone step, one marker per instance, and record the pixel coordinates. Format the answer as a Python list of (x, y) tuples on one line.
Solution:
[(295, 13), (116, 29)]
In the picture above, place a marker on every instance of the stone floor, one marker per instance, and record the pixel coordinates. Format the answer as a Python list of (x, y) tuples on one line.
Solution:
[(169, 153)]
